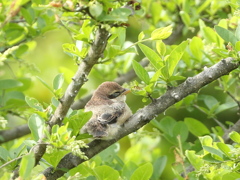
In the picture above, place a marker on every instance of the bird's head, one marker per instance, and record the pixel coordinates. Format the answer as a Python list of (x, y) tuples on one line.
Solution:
[(111, 90)]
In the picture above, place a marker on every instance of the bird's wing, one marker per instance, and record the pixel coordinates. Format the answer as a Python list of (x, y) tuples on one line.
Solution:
[(96, 129), (111, 115), (109, 118)]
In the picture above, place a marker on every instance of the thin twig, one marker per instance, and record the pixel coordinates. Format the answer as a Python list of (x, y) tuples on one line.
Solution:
[(215, 119)]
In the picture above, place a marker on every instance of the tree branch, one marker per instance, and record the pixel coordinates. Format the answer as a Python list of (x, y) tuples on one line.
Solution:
[(146, 114), (235, 127), (94, 53), (8, 135)]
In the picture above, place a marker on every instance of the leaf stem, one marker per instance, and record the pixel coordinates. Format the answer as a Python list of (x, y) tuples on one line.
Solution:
[(144, 40)]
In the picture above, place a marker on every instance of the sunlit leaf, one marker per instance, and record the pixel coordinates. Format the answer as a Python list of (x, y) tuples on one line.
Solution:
[(224, 148), (144, 172), (221, 52), (95, 8), (58, 81), (141, 72), (161, 33), (235, 136), (196, 47), (161, 48), (194, 159), (106, 172), (45, 84), (175, 57), (141, 36), (185, 18), (120, 14), (26, 166), (153, 57), (36, 125), (32, 102)]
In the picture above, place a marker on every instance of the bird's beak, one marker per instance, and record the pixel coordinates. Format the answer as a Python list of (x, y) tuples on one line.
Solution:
[(126, 91)]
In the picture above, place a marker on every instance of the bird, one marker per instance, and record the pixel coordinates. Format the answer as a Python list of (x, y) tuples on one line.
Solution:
[(109, 111)]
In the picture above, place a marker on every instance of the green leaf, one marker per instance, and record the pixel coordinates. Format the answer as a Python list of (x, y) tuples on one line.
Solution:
[(194, 159), (158, 167), (185, 18), (224, 148), (121, 36), (213, 151), (9, 84), (14, 33), (225, 106), (221, 52), (3, 153), (156, 76), (29, 15), (153, 57), (106, 172), (226, 35), (44, 83), (161, 33), (32, 102), (58, 81), (95, 8), (55, 157), (237, 46), (210, 35), (144, 172), (161, 48), (180, 129), (235, 136), (231, 176), (166, 125), (120, 14), (209, 101), (78, 120), (26, 166), (206, 140), (196, 127), (141, 72), (212, 158), (141, 36), (175, 57), (36, 125), (72, 50), (128, 169), (176, 78), (237, 32), (196, 47)]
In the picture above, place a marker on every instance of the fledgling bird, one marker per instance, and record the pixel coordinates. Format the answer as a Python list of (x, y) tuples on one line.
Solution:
[(109, 109)]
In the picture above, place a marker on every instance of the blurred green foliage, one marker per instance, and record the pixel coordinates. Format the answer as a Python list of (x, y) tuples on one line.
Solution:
[(41, 44)]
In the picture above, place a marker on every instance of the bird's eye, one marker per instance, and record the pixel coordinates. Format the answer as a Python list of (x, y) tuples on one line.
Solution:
[(114, 95)]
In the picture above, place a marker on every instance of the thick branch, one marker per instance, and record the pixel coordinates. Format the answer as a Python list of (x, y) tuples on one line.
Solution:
[(8, 135), (235, 127), (95, 52), (146, 114)]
